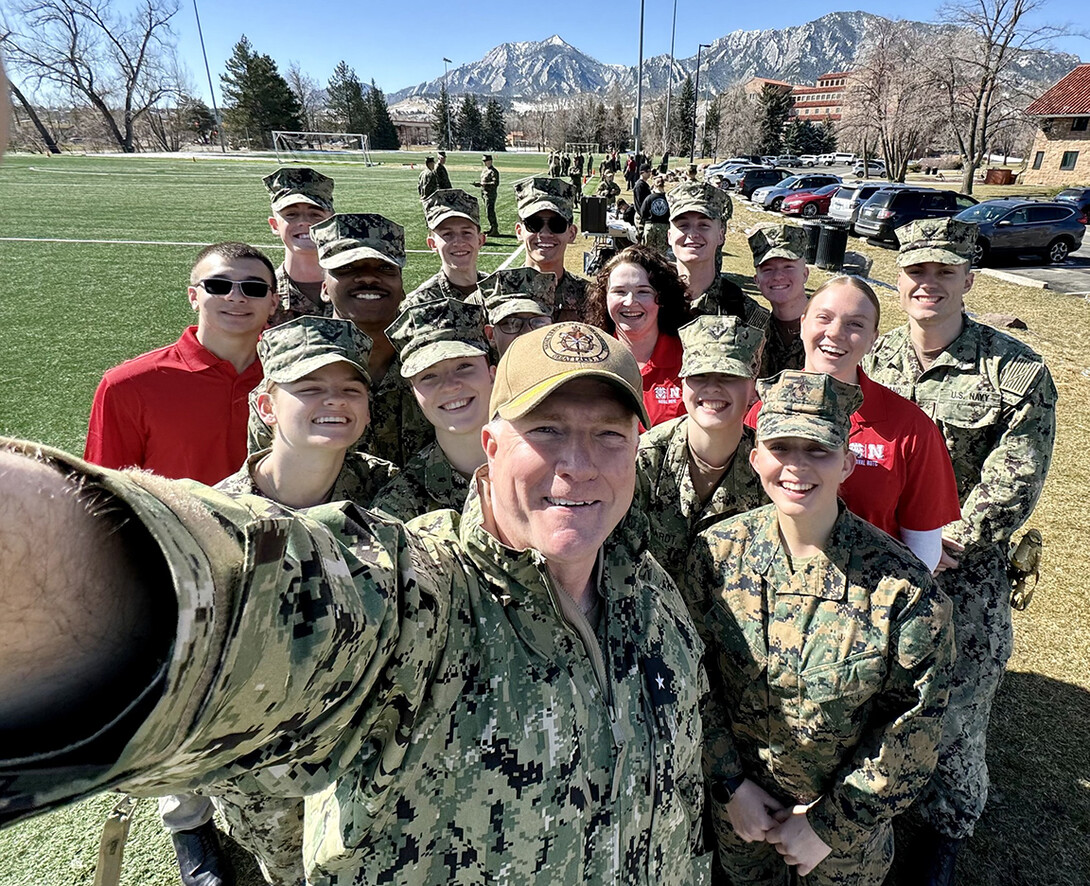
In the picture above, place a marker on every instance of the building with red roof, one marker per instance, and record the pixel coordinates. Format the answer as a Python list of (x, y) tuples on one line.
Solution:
[(1061, 150)]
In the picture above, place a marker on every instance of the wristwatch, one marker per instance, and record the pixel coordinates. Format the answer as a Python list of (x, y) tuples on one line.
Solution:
[(723, 789)]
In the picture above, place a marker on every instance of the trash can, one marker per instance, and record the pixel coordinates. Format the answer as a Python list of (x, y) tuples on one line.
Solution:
[(813, 234), (832, 245)]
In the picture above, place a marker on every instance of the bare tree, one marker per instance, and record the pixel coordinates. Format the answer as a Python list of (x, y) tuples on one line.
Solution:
[(976, 70), (739, 122), (307, 93), (888, 105), (121, 65), (43, 131)]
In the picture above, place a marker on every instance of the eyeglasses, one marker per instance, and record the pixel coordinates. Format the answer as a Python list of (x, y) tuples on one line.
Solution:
[(515, 325), (556, 223), (220, 286)]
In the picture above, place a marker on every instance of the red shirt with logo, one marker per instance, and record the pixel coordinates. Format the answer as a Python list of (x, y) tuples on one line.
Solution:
[(661, 384), (903, 478), (179, 411)]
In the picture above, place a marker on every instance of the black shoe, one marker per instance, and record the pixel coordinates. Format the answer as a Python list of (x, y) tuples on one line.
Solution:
[(491, 233), (200, 859), (938, 857)]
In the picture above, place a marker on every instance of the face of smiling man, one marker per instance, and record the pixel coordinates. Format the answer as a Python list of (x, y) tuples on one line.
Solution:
[(367, 292)]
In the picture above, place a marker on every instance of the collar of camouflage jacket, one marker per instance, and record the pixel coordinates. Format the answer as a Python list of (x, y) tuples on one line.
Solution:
[(833, 564)]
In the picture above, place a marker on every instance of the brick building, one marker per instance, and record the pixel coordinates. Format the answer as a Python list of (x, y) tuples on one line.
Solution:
[(1061, 149), (823, 100)]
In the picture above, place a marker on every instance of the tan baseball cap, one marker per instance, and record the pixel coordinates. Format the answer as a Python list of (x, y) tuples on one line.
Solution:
[(543, 360)]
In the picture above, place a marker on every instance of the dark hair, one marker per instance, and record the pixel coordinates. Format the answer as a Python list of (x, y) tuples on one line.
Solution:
[(858, 284), (669, 290), (231, 251)]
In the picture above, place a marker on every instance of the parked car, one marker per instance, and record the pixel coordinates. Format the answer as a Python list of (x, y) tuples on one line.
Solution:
[(809, 160), (874, 167), (735, 175), (809, 205), (760, 176), (1018, 228), (891, 208), (772, 196), (838, 158), (847, 202), (1079, 197), (788, 160), (721, 169)]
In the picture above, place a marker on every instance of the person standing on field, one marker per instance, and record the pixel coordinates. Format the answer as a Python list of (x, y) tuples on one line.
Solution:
[(428, 184), (490, 185), (442, 176)]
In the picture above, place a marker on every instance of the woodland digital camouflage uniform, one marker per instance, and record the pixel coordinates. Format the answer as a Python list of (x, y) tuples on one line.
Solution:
[(359, 481), (293, 302), (419, 688), (768, 241), (828, 684), (995, 403), (518, 290), (428, 482), (609, 189), (490, 186), (442, 175), (427, 184)]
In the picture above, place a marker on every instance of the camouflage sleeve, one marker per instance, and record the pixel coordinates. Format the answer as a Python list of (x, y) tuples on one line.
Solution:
[(895, 758), (1013, 474), (300, 639)]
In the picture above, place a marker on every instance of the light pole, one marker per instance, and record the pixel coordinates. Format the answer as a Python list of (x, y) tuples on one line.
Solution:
[(669, 81), (446, 89), (208, 72), (696, 99), (639, 90)]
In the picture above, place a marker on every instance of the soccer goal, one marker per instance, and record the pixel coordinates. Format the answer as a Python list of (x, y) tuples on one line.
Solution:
[(299, 145), (582, 148)]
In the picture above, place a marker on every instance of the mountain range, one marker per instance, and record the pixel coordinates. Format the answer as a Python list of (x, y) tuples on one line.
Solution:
[(798, 54)]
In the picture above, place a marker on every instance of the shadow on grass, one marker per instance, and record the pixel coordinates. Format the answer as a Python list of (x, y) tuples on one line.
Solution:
[(1034, 829)]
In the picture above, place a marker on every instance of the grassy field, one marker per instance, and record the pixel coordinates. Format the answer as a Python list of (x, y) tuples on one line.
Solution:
[(73, 309)]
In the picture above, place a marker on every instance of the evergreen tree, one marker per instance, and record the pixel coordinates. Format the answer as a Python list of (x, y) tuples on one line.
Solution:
[(713, 120), (619, 127), (345, 102), (469, 124), (826, 137), (442, 120), (494, 127), (384, 135), (775, 107), (681, 118), (257, 99)]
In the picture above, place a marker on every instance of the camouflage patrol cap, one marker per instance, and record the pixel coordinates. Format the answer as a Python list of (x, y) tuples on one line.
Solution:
[(486, 157), (299, 184), (430, 331), (777, 241), (720, 343), (543, 360), (518, 291), (811, 405), (351, 237), (539, 192), (299, 347), (944, 240), (702, 197), (449, 202)]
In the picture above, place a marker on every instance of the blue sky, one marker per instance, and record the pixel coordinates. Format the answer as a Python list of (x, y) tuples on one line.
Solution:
[(401, 44)]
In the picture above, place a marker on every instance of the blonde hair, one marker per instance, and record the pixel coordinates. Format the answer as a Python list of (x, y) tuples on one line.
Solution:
[(853, 282)]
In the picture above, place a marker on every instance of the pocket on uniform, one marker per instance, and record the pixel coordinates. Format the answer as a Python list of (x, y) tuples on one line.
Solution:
[(971, 413), (850, 681)]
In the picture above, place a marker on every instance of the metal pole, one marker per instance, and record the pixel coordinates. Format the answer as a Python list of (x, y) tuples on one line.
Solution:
[(446, 89), (669, 80), (639, 89), (208, 72)]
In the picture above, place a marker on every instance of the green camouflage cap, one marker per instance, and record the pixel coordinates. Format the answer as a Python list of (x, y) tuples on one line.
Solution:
[(539, 192), (543, 360), (518, 291), (430, 331), (701, 197), (449, 202), (297, 348), (777, 241), (811, 405), (720, 343), (944, 240), (351, 237), (299, 184)]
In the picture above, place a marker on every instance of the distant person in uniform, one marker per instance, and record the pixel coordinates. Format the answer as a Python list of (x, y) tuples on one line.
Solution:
[(300, 197), (489, 185), (608, 188), (641, 190), (442, 176), (517, 301), (428, 183)]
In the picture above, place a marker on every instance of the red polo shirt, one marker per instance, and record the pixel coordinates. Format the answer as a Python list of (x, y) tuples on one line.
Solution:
[(661, 385), (179, 411), (903, 477)]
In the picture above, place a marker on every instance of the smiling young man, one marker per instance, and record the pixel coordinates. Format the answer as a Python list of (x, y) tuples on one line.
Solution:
[(444, 687), (780, 273), (454, 234), (300, 197), (994, 401), (546, 227), (698, 215)]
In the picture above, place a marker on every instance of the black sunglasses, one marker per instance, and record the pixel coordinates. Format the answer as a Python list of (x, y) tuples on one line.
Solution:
[(221, 286), (556, 223)]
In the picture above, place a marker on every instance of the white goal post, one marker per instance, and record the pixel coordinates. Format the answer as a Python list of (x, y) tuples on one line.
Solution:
[(582, 148), (296, 145)]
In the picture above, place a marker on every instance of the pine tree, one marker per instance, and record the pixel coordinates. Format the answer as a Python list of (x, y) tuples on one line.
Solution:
[(345, 101), (258, 100), (384, 135), (469, 125), (709, 147), (775, 107), (681, 118), (442, 120), (494, 127)]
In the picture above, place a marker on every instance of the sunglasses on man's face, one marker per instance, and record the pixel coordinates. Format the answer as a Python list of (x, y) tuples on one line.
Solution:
[(556, 223), (220, 286)]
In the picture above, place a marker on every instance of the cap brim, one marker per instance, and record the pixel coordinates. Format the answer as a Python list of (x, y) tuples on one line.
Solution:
[(806, 427), (930, 253), (350, 256), (525, 212), (681, 210), (452, 213), (292, 199), (704, 365), (778, 252), (436, 352), (534, 396), (516, 306), (302, 368)]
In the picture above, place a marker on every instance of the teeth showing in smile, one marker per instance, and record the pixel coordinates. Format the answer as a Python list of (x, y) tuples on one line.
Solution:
[(331, 420), (792, 486), (369, 296), (830, 351), (714, 405), (455, 404), (567, 502)]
